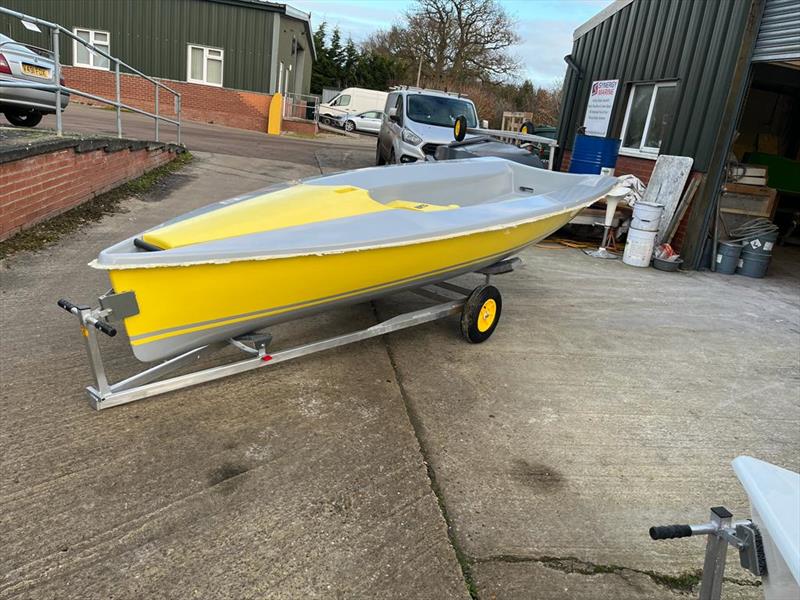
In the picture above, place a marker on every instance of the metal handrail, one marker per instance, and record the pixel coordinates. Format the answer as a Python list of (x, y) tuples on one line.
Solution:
[(292, 100), (51, 87), (56, 30)]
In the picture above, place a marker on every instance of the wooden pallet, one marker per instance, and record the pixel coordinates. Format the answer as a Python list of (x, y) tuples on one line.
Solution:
[(755, 200)]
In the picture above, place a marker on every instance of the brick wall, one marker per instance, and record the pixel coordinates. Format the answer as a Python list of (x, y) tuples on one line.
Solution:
[(626, 165), (204, 103), (38, 187)]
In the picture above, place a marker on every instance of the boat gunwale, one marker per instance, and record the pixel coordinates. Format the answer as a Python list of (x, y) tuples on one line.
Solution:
[(95, 264)]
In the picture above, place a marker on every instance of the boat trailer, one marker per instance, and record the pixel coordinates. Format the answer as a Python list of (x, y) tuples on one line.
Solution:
[(479, 309)]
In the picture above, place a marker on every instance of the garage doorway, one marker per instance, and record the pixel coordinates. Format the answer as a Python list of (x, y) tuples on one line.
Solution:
[(763, 168)]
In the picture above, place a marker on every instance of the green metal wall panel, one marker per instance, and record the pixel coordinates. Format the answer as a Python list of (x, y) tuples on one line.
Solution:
[(152, 35), (692, 42), (295, 30)]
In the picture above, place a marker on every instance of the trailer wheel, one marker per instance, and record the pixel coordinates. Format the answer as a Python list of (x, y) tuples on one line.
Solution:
[(481, 313)]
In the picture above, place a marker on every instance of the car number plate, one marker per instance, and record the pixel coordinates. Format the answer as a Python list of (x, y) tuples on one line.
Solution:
[(36, 71)]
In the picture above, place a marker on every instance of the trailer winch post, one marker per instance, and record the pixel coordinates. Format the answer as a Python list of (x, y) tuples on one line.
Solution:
[(722, 531)]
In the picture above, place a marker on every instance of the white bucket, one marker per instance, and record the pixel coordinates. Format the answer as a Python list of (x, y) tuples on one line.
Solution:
[(646, 216), (639, 247)]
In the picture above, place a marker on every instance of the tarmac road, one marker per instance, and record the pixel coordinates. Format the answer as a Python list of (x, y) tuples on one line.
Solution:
[(203, 137)]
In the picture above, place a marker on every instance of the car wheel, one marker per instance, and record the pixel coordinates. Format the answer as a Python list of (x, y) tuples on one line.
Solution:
[(29, 118), (349, 126), (379, 156)]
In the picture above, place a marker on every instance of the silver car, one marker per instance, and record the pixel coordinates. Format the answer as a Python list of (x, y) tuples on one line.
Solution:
[(25, 106), (366, 121), (417, 122)]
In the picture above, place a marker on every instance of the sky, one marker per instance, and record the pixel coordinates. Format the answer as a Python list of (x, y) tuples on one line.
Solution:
[(544, 26)]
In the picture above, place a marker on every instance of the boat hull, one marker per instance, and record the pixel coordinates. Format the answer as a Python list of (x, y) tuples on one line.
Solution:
[(184, 307)]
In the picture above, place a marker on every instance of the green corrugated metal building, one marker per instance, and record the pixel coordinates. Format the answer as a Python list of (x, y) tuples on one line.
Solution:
[(248, 45), (684, 72)]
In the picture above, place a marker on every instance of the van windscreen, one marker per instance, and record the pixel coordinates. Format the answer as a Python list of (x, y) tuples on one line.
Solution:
[(440, 110)]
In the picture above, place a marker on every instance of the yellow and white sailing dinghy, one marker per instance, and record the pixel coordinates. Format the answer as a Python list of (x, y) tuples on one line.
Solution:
[(238, 266)]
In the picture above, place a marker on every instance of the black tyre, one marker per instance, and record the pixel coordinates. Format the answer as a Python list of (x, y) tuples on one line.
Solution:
[(29, 118), (481, 313), (349, 126), (460, 128), (379, 155)]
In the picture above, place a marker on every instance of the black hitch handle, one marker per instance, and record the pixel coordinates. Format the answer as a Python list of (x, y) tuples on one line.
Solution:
[(98, 324), (69, 306), (101, 325), (669, 532)]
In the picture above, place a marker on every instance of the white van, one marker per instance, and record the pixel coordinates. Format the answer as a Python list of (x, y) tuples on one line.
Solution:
[(351, 101)]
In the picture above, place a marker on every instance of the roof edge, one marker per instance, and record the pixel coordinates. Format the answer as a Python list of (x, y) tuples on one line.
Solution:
[(607, 12)]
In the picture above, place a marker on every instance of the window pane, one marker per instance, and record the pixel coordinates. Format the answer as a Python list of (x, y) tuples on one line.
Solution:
[(214, 53), (196, 71), (661, 120), (84, 35), (81, 54), (637, 116), (100, 60), (100, 37), (214, 74), (344, 100)]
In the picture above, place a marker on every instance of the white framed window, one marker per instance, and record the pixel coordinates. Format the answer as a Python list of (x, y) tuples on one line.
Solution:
[(204, 65), (648, 118), (83, 57)]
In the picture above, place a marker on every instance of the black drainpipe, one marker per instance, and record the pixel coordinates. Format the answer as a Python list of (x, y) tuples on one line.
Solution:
[(566, 113)]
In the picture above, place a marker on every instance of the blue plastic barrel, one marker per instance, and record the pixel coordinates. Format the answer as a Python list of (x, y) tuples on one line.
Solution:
[(591, 153)]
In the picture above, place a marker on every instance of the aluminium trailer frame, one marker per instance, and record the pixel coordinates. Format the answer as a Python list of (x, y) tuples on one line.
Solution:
[(148, 383)]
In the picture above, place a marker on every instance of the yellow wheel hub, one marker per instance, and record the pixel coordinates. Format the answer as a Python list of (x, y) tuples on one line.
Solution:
[(487, 315)]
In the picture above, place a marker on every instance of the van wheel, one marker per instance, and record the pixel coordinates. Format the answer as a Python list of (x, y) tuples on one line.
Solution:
[(29, 118), (378, 156)]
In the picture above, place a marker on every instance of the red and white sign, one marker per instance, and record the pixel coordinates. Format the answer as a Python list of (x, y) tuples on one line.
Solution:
[(598, 109)]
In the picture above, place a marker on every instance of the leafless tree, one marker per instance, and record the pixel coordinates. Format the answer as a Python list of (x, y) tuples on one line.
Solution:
[(458, 41)]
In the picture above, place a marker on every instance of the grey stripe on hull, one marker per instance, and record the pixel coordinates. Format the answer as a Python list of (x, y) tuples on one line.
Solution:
[(164, 348), (328, 299)]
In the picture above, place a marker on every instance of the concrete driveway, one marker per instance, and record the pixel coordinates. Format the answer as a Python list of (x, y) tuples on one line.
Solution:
[(308, 483), (609, 399)]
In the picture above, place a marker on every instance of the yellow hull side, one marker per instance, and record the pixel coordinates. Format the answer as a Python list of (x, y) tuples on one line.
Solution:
[(179, 300)]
